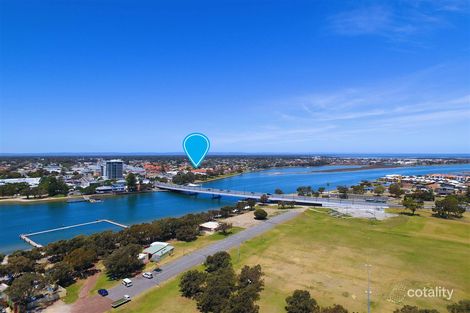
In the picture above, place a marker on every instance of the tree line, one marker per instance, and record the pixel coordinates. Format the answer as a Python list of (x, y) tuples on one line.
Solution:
[(67, 260), (48, 185)]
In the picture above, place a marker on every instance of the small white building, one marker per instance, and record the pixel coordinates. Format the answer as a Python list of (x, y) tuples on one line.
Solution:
[(156, 251), (209, 227)]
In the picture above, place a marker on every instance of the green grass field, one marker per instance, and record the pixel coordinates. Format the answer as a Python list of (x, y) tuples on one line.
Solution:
[(72, 292), (327, 256)]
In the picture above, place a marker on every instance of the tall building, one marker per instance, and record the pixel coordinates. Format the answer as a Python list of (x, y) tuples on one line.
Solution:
[(114, 169)]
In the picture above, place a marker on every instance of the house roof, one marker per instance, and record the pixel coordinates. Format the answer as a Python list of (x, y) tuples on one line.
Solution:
[(158, 248), (210, 225)]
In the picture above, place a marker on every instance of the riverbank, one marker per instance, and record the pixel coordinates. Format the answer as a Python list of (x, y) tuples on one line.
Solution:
[(27, 217), (220, 177), (96, 196), (361, 168), (24, 200)]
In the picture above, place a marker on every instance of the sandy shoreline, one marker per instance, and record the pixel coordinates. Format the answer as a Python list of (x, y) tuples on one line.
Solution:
[(51, 199)]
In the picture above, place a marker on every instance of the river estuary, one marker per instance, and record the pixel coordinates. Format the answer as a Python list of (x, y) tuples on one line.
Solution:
[(130, 209)]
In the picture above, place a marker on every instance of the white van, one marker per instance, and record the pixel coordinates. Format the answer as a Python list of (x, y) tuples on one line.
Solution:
[(127, 282)]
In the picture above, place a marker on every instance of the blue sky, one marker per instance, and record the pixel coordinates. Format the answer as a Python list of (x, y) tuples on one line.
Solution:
[(254, 76)]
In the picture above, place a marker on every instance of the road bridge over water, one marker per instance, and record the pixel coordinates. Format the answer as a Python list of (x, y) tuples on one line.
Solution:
[(328, 202)]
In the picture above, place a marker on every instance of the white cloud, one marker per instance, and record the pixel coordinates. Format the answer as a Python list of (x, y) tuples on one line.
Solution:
[(418, 107), (396, 21)]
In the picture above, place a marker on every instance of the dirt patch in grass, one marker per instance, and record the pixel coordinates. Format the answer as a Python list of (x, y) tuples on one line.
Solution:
[(247, 219)]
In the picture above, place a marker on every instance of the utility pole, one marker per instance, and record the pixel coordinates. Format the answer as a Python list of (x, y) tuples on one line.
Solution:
[(368, 287), (239, 252)]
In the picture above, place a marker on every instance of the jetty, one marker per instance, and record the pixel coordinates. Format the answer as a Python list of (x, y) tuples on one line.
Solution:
[(27, 239)]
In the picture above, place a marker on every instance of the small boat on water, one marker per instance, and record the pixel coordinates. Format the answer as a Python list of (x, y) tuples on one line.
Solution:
[(91, 200)]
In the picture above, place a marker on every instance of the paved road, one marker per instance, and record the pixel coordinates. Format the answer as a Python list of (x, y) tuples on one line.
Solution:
[(198, 257)]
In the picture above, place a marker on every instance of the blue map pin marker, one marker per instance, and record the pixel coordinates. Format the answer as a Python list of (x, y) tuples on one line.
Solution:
[(196, 146)]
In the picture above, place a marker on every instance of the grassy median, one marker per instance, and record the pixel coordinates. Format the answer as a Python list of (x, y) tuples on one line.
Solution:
[(327, 255)]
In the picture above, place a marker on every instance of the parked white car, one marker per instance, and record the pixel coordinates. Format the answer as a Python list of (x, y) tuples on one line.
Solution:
[(147, 275), (127, 282)]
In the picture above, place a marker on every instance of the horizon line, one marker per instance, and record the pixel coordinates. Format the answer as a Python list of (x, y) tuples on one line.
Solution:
[(234, 153)]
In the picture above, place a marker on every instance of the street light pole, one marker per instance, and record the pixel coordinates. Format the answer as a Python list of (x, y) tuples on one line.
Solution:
[(368, 287), (239, 252)]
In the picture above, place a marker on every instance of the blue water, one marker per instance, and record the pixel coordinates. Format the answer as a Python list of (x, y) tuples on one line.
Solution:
[(16, 219), (288, 179)]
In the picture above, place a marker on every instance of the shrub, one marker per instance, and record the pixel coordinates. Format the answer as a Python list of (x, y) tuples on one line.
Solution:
[(260, 214)]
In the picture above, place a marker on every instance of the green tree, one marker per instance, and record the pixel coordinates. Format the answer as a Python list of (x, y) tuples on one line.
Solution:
[(219, 260), (412, 205), (224, 228), (278, 191), (321, 190), (395, 190), (449, 206), (463, 306), (131, 182), (20, 264), (301, 302), (26, 191), (183, 178), (414, 309), (219, 287), (90, 190), (53, 186), (334, 309), (379, 190), (358, 189), (239, 303), (343, 191), (264, 198), (123, 262), (251, 203), (81, 258), (192, 284), (187, 233), (60, 274), (103, 243), (241, 205), (423, 195), (260, 214), (304, 191), (226, 211), (250, 279), (25, 287)]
